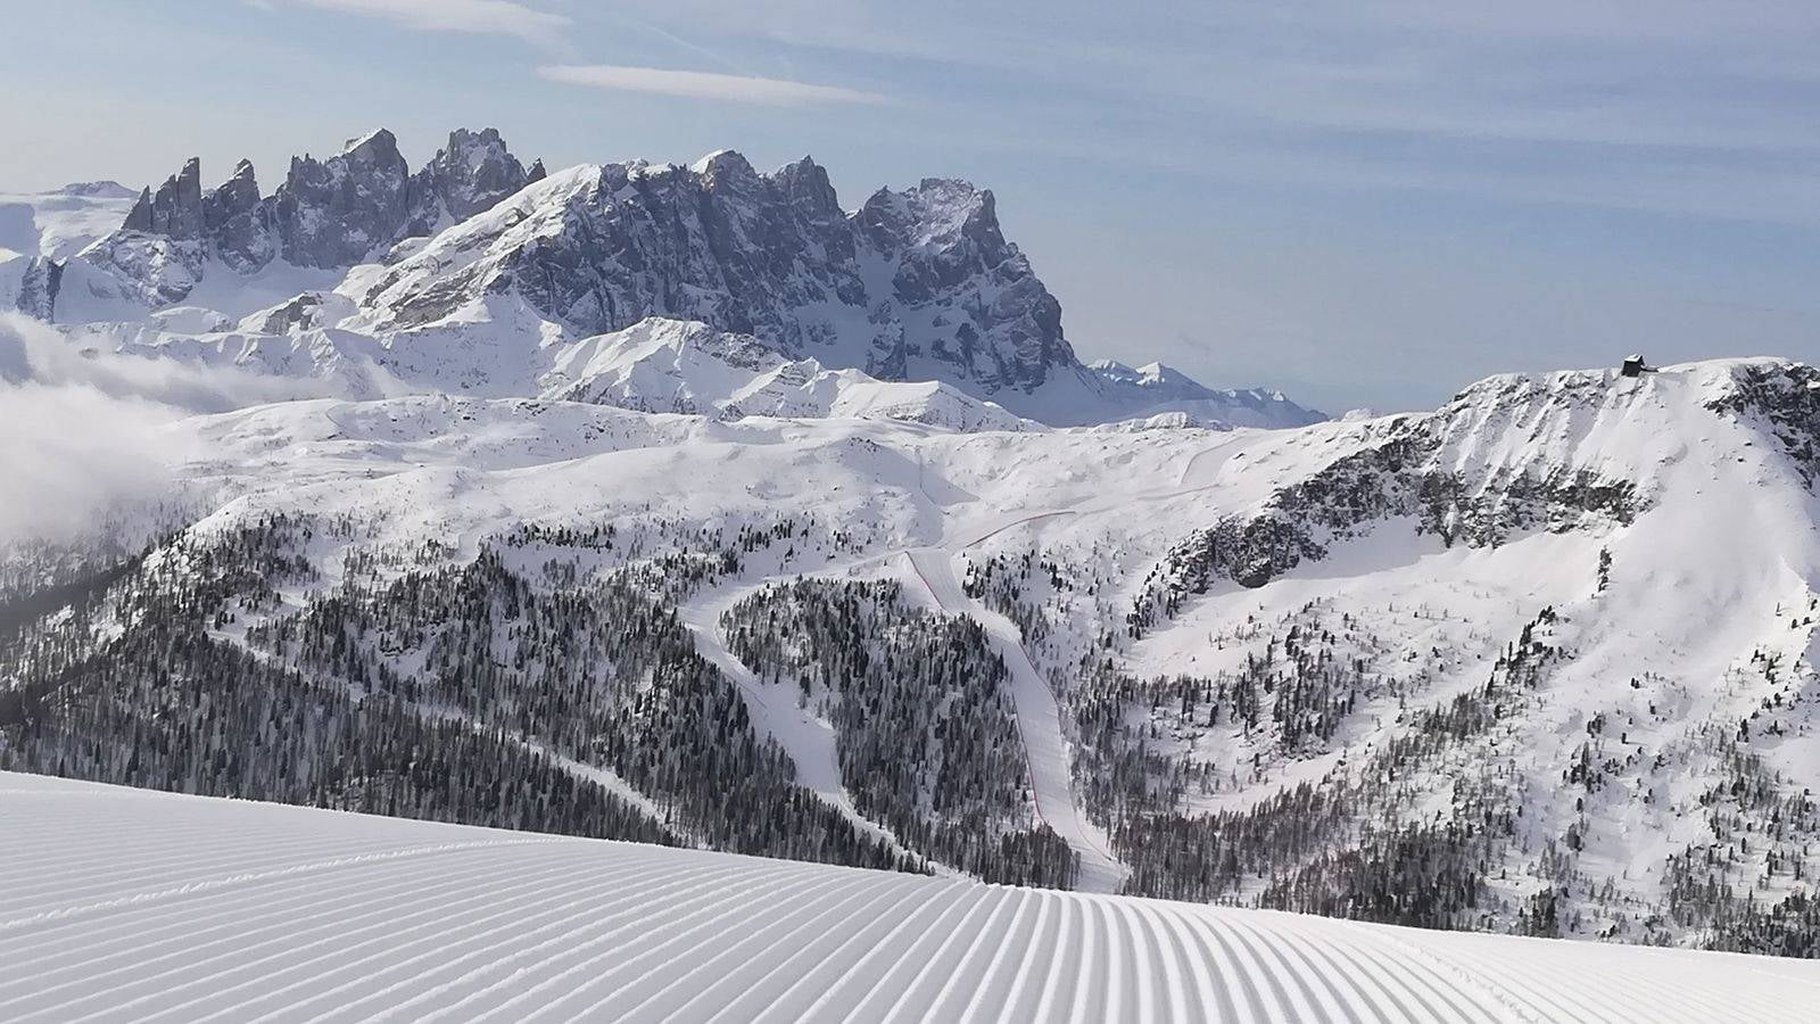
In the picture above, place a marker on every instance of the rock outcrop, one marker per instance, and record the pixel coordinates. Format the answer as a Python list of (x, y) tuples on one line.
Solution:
[(175, 210), (468, 176), (236, 222), (918, 285), (335, 212)]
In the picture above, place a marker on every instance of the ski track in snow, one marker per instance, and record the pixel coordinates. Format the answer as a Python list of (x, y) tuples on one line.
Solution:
[(807, 738), (811, 741), (120, 905), (1039, 725)]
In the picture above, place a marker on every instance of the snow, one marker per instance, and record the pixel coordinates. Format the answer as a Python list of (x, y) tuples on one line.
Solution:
[(924, 498), (663, 365), (453, 307), (716, 430), (59, 223), (130, 905)]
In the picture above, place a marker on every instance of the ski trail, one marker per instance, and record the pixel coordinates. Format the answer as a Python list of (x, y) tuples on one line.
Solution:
[(1039, 724), (808, 739), (385, 972), (1065, 949), (881, 986), (998, 983), (580, 963), (360, 938), (813, 988), (178, 940), (1208, 972)]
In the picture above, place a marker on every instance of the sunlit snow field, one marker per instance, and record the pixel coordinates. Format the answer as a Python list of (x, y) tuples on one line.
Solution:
[(121, 904)]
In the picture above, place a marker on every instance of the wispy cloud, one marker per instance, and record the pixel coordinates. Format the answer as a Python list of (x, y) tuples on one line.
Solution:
[(478, 17), (705, 85)]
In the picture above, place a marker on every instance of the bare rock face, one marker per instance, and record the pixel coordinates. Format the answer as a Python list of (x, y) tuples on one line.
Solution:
[(175, 210), (468, 176), (952, 261), (917, 285), (38, 288), (236, 222), (335, 212)]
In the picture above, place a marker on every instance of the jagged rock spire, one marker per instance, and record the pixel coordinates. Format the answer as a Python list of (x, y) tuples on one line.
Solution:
[(175, 209), (468, 176)]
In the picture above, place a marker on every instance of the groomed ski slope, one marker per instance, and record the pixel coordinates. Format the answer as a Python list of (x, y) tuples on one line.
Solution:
[(120, 904)]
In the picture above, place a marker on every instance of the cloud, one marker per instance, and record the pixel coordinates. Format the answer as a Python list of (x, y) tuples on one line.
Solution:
[(478, 17), (706, 85), (90, 432)]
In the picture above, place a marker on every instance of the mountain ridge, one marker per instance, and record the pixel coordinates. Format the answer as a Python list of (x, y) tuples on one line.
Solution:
[(918, 284)]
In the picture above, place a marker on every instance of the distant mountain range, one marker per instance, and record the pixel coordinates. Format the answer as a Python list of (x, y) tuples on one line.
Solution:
[(474, 272)]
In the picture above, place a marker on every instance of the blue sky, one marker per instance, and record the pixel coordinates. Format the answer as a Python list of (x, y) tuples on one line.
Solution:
[(1363, 202)]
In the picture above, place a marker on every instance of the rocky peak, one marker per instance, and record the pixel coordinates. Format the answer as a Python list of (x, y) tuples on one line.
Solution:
[(943, 235), (338, 211), (805, 184), (175, 210), (234, 220), (468, 176), (937, 213), (726, 171), (334, 212), (918, 285)]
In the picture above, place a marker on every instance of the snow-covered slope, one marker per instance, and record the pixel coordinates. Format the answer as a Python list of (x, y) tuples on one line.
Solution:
[(1540, 661), (127, 905), (474, 518), (1166, 390), (59, 223), (660, 365), (42, 229)]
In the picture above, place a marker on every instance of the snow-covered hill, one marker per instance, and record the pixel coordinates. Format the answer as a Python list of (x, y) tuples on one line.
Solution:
[(60, 223), (1167, 390), (1539, 662), (40, 228), (473, 274), (127, 905)]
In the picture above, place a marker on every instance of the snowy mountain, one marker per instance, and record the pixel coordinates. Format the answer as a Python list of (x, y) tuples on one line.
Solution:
[(1166, 391), (660, 365), (40, 230), (475, 252), (680, 505), (149, 906), (60, 223), (1541, 661)]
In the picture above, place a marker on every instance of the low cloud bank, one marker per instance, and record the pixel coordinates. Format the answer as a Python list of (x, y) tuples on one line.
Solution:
[(85, 431)]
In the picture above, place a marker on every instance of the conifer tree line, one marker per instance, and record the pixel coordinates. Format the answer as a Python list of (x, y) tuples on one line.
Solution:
[(1346, 845), (545, 682), (459, 693), (1367, 839), (925, 732), (1358, 491)]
